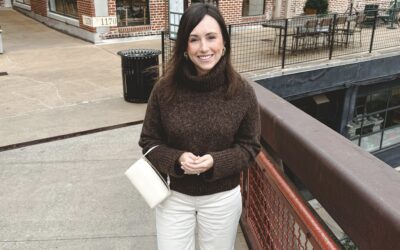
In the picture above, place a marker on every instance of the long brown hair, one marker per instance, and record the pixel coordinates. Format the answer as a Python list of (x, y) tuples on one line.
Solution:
[(190, 19)]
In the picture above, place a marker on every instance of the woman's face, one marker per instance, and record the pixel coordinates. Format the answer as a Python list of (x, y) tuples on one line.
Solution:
[(205, 45)]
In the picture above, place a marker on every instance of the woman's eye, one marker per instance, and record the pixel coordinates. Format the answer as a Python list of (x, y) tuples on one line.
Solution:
[(192, 40), (211, 37)]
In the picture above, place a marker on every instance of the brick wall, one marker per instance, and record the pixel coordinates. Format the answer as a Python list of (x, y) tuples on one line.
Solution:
[(158, 14), (231, 10), (39, 7), (1, 3), (86, 7), (112, 9)]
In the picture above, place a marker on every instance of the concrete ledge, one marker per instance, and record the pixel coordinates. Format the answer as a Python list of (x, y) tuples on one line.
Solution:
[(67, 120), (22, 6), (65, 24), (64, 19)]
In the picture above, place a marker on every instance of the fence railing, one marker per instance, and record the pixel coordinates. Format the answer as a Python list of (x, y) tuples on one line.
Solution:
[(277, 43), (274, 216), (359, 191)]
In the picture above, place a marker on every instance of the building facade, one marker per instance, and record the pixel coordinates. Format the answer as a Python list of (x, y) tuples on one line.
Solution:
[(99, 20)]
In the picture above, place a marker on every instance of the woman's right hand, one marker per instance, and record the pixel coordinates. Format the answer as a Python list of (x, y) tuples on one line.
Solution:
[(187, 158)]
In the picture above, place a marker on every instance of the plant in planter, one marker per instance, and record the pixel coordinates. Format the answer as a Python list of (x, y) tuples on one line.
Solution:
[(316, 7)]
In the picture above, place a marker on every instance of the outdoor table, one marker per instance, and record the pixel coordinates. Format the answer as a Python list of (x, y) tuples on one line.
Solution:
[(293, 24)]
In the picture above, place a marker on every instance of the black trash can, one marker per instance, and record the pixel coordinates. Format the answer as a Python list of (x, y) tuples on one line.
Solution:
[(139, 73)]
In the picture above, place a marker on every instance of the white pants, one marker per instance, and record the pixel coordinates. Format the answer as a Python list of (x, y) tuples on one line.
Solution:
[(216, 217)]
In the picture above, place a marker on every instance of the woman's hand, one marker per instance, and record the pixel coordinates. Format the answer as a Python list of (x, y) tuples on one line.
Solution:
[(192, 164)]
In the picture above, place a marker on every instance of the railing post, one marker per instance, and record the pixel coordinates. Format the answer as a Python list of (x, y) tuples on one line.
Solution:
[(332, 37), (284, 43), (229, 30), (373, 31), (163, 51)]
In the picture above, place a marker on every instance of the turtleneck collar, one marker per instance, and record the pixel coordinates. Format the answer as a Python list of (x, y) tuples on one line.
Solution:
[(208, 82)]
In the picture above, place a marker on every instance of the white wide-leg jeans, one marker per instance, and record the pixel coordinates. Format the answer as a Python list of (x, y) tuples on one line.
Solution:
[(216, 217)]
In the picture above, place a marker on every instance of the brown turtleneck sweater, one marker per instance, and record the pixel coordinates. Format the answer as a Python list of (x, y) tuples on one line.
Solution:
[(199, 119)]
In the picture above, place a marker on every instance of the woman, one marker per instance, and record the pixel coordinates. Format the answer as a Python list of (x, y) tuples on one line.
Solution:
[(205, 119)]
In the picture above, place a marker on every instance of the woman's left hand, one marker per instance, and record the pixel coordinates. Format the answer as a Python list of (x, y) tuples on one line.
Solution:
[(198, 166)]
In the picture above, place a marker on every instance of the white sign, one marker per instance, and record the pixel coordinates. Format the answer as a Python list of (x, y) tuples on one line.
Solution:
[(176, 8), (99, 21)]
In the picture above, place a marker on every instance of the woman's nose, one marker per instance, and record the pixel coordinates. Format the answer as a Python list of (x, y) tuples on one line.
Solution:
[(203, 45)]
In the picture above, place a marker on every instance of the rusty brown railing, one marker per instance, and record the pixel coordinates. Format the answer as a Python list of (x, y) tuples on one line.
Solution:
[(359, 191), (274, 215)]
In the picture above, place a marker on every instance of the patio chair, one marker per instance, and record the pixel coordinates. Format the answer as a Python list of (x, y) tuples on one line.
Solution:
[(340, 26), (324, 30), (369, 12), (354, 26), (306, 36), (358, 27)]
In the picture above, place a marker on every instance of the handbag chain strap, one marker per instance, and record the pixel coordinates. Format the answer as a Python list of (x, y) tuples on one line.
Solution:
[(168, 179), (148, 151)]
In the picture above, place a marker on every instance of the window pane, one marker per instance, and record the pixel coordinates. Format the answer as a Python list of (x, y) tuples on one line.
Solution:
[(393, 118), (214, 2), (371, 142), (395, 97), (377, 101), (131, 13), (27, 2), (64, 7), (252, 7), (391, 136), (70, 8), (369, 127)]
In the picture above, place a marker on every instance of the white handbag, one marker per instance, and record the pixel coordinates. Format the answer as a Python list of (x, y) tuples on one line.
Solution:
[(148, 181)]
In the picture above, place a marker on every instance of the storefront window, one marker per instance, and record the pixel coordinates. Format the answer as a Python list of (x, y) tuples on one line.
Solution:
[(253, 7), (377, 101), (27, 2), (391, 134), (215, 2), (376, 121), (64, 7), (132, 12)]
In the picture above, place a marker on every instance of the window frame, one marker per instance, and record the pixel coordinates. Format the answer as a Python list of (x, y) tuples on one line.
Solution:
[(248, 15)]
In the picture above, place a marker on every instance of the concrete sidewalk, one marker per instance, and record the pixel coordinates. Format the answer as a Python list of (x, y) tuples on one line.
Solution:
[(57, 84), (70, 193)]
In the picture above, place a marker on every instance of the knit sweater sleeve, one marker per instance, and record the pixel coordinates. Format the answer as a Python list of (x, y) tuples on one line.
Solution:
[(245, 148), (163, 157)]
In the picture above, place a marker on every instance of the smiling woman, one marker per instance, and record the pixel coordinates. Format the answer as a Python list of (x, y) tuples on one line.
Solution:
[(205, 120)]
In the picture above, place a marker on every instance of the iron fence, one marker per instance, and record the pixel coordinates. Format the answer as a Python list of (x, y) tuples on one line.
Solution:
[(281, 42)]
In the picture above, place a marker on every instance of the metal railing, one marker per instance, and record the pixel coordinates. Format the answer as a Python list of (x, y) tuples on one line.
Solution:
[(359, 191), (274, 216), (274, 43)]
